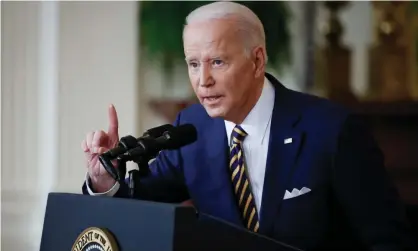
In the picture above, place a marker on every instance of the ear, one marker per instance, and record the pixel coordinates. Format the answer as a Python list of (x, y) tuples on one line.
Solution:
[(259, 59)]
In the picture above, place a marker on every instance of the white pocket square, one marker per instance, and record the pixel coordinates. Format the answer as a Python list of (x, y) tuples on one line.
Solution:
[(295, 193)]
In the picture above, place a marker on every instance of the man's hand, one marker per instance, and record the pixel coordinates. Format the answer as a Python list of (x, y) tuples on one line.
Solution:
[(97, 143)]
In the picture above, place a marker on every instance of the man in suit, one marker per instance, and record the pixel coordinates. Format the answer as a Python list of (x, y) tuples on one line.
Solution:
[(287, 165)]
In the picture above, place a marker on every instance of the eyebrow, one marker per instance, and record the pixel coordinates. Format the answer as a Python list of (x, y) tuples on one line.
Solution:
[(222, 56), (218, 57)]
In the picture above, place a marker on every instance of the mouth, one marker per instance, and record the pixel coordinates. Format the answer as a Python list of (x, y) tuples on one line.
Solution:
[(211, 99)]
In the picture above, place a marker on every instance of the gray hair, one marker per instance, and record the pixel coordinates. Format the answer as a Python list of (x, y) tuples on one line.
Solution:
[(249, 25)]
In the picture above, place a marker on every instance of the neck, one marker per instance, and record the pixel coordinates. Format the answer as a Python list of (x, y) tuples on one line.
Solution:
[(242, 112)]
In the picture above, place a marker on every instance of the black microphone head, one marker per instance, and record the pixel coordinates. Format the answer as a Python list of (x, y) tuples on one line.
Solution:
[(157, 131), (179, 136)]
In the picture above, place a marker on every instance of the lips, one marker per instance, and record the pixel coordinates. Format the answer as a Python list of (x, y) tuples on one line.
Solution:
[(211, 99)]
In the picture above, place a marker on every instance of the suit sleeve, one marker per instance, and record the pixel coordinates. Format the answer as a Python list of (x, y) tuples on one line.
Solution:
[(165, 183), (365, 192)]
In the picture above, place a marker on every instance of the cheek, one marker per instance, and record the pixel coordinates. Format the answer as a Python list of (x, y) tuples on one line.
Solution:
[(238, 90), (234, 93), (194, 81), (228, 83)]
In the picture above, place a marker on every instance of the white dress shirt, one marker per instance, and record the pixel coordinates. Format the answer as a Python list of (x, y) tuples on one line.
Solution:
[(255, 145)]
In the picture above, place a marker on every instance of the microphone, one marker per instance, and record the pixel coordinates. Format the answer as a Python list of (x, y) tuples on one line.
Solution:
[(126, 143), (157, 131), (174, 138), (129, 142), (147, 147)]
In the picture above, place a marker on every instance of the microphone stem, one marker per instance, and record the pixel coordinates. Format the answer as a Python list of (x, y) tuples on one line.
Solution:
[(133, 179), (136, 174)]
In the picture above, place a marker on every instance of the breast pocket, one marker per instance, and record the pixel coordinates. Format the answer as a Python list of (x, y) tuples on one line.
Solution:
[(302, 217), (305, 205)]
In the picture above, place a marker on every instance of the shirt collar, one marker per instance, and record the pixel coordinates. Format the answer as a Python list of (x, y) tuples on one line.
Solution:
[(257, 121)]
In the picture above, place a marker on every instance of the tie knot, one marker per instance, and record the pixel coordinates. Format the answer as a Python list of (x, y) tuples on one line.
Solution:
[(238, 134)]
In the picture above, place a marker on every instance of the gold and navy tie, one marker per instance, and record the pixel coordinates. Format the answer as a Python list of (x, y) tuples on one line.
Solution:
[(240, 181)]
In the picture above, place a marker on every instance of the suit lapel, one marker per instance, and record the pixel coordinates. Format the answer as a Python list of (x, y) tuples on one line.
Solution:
[(218, 159), (284, 145)]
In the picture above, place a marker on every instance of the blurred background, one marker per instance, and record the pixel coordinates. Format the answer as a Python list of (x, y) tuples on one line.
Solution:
[(63, 63)]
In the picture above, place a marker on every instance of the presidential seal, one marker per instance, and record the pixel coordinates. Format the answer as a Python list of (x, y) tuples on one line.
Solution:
[(95, 239)]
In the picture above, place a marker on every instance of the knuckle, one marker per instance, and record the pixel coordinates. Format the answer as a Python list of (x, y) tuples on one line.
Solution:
[(100, 132), (98, 137)]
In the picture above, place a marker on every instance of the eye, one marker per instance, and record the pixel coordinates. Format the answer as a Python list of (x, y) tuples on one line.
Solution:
[(193, 64), (218, 62)]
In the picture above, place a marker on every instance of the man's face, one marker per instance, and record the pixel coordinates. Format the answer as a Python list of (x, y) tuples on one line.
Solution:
[(221, 74)]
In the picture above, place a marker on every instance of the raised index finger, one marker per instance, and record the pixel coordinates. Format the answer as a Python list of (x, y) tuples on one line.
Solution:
[(113, 122)]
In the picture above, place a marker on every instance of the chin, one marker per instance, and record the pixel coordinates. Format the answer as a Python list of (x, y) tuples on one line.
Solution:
[(215, 112)]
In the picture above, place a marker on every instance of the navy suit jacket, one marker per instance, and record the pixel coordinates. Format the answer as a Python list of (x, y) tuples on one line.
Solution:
[(352, 203)]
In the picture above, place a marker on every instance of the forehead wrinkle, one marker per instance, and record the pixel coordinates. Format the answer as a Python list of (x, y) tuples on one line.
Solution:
[(208, 50), (211, 40)]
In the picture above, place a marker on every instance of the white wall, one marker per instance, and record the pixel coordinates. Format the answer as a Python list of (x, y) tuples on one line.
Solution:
[(63, 64), (19, 117), (97, 66)]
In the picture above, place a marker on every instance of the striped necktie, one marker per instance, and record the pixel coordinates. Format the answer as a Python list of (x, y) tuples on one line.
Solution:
[(240, 181)]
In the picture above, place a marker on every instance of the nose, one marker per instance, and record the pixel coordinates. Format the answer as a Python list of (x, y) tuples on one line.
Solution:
[(206, 78)]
